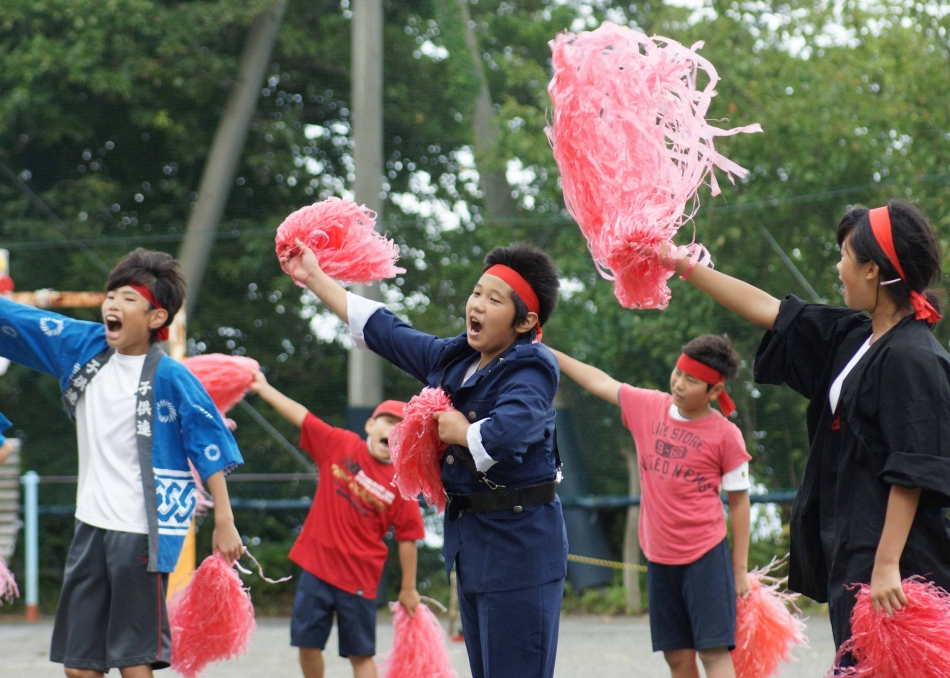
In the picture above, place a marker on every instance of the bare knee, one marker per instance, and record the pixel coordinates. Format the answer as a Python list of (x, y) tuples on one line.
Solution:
[(680, 659), (714, 655), (364, 666), (82, 673), (718, 662)]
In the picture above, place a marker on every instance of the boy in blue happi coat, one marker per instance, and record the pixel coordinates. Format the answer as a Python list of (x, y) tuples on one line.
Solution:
[(140, 417), (504, 530)]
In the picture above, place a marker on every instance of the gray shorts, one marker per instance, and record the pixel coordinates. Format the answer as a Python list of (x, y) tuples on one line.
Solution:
[(111, 611)]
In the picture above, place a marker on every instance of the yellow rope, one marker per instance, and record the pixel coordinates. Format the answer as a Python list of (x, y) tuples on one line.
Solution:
[(606, 563)]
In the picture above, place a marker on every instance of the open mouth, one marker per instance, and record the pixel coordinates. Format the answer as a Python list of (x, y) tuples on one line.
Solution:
[(474, 327), (384, 444), (113, 325)]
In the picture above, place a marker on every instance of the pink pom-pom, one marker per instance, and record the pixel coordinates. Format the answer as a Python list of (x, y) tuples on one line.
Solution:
[(631, 141), (915, 641), (416, 448), (418, 646), (203, 500), (8, 587), (211, 618), (766, 631), (343, 237), (226, 378)]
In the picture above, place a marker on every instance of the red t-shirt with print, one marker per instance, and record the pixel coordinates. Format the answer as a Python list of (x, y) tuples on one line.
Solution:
[(681, 468), (356, 503)]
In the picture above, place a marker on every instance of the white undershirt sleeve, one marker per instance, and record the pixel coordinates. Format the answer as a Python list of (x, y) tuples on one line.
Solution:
[(359, 310), (737, 480), (483, 461)]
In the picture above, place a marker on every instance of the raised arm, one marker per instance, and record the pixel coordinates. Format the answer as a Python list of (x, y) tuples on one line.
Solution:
[(306, 270), (288, 408), (590, 378), (747, 300)]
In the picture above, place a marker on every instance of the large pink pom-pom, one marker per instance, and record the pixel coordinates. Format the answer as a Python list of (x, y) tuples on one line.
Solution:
[(343, 237), (418, 646), (211, 618), (416, 448), (226, 378), (914, 642), (766, 631), (631, 141), (8, 587)]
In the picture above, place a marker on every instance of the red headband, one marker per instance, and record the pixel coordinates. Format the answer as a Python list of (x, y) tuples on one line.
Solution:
[(881, 228), (705, 373), (162, 334), (520, 287)]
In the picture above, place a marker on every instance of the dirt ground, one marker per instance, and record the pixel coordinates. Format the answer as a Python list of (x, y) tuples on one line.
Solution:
[(589, 647)]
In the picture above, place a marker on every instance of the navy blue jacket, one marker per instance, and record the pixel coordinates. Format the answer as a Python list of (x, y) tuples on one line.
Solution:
[(500, 550)]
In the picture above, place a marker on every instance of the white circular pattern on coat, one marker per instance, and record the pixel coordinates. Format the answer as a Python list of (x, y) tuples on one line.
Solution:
[(52, 327), (212, 452), (204, 412), (166, 411), (9, 331)]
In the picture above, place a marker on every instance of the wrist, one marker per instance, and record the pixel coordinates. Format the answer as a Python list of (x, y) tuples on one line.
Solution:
[(223, 518)]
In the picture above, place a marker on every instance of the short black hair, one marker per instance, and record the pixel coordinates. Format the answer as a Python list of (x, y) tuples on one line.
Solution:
[(538, 269), (714, 351), (915, 242), (159, 272)]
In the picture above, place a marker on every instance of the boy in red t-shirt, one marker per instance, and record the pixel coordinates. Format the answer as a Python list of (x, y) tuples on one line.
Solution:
[(686, 450), (340, 547)]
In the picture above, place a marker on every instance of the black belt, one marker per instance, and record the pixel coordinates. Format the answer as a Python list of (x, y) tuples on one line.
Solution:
[(501, 499)]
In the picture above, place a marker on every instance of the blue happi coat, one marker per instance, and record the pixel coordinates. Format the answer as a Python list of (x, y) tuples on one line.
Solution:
[(175, 421), (4, 425)]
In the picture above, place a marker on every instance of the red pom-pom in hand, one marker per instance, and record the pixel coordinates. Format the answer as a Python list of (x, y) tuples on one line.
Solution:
[(632, 144), (418, 646), (915, 641), (766, 631), (343, 237), (226, 378), (211, 618), (416, 448)]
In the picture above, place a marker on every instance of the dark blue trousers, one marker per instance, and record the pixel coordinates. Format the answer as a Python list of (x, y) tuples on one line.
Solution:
[(511, 634)]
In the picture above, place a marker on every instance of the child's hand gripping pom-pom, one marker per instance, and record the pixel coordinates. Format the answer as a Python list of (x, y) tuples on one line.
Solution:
[(211, 618), (226, 378), (343, 237), (8, 587), (766, 630), (632, 144), (419, 647), (416, 448), (915, 641)]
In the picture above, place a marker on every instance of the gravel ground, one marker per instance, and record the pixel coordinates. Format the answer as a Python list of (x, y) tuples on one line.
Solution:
[(615, 647)]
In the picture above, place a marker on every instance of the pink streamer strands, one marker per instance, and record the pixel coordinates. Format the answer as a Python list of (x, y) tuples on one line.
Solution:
[(8, 587), (915, 641), (211, 618), (418, 646), (343, 237), (226, 378), (416, 448), (631, 141), (766, 631)]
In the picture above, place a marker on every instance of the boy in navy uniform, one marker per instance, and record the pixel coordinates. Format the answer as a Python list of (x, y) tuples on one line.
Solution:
[(504, 530), (341, 547), (140, 418)]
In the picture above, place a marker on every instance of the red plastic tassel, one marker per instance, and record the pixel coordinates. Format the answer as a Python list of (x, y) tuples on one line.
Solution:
[(915, 641), (8, 587), (342, 235), (226, 378), (416, 448), (211, 618), (419, 649), (632, 144), (766, 631)]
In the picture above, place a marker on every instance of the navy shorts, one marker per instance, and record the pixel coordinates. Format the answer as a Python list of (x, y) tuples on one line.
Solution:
[(694, 605), (314, 605)]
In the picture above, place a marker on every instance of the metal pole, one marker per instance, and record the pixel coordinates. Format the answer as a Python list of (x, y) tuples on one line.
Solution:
[(365, 383), (30, 481)]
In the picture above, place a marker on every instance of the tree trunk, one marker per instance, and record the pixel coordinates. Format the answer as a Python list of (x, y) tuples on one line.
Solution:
[(498, 201), (631, 535), (221, 166)]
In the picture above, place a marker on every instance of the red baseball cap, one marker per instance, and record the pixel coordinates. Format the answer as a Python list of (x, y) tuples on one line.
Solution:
[(393, 408)]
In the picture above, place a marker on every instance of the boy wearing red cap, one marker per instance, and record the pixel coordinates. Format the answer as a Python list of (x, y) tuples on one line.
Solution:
[(686, 450), (340, 547)]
